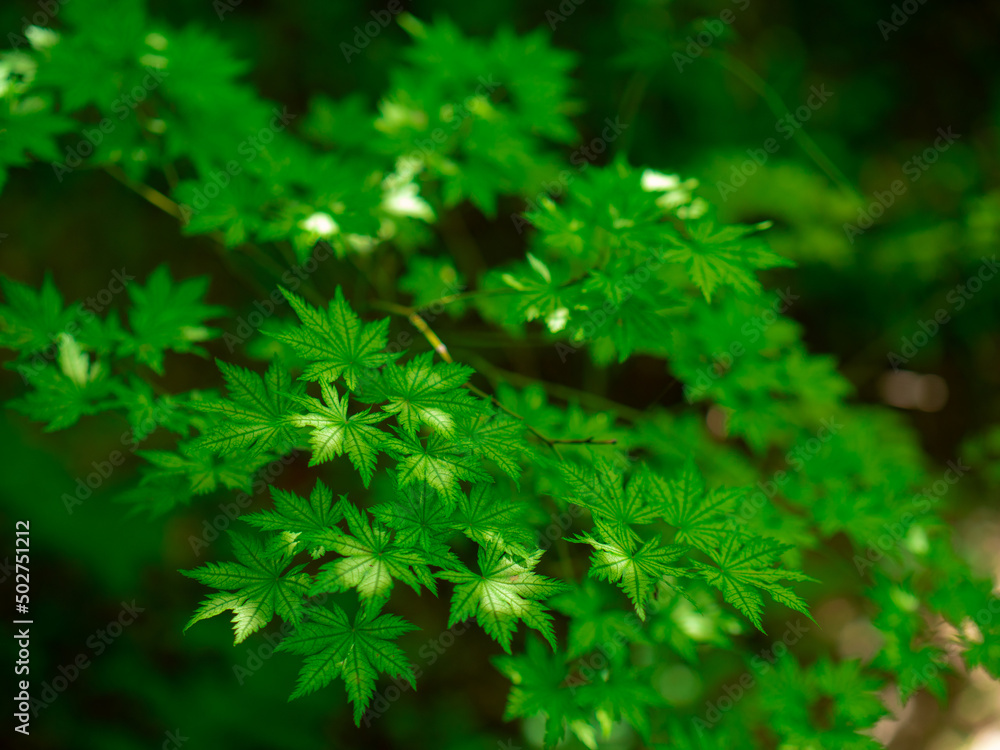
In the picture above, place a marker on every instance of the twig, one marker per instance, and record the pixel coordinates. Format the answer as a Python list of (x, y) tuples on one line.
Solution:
[(448, 299), (170, 206), (151, 194), (421, 325), (584, 441), (418, 322), (564, 392)]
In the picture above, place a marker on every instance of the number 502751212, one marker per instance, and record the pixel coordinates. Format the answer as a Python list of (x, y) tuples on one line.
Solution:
[(21, 546)]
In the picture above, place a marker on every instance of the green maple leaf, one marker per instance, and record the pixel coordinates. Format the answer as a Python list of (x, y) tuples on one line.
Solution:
[(32, 321), (419, 519), (149, 411), (335, 341), (425, 392), (496, 145), (542, 293), (429, 279), (717, 256), (637, 568), (208, 103), (497, 438), (487, 513), (701, 517), (744, 567), (607, 202), (256, 587), (168, 316), (959, 598), (642, 322), (202, 469), (256, 416), (437, 462), (356, 652), (73, 388), (856, 701), (311, 519), (602, 493), (900, 620), (538, 679), (595, 619), (840, 698), (687, 735), (156, 498), (30, 128), (372, 560), (99, 61), (235, 213), (622, 693), (504, 592), (335, 433)]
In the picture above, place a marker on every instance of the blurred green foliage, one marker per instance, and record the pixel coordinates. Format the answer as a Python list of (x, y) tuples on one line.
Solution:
[(536, 141)]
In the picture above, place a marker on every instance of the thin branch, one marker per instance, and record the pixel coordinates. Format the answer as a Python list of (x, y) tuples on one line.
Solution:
[(448, 299), (421, 325), (151, 194), (564, 392), (584, 441), (265, 261), (418, 322)]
